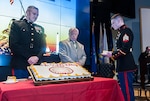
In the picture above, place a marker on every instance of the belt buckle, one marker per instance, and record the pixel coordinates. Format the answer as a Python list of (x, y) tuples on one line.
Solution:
[(31, 45)]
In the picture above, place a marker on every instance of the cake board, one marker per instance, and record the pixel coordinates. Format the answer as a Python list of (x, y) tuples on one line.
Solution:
[(39, 83)]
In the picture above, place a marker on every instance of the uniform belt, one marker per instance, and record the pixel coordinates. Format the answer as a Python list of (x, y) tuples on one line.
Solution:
[(130, 49), (31, 45)]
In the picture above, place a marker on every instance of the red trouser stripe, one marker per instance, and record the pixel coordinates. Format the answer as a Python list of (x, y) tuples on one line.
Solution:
[(12, 71), (127, 86)]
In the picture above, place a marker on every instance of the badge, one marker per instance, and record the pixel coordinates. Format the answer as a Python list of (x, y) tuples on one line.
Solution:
[(38, 29), (125, 38)]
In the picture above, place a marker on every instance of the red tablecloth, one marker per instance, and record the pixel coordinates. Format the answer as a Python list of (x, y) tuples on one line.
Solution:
[(100, 89)]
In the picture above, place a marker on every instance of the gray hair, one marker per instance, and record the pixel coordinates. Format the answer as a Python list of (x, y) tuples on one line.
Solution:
[(73, 29)]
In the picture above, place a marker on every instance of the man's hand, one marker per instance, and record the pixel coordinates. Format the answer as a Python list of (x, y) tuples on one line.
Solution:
[(79, 63), (107, 53), (33, 60)]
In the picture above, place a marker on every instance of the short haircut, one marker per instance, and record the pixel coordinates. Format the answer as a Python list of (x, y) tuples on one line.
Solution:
[(116, 16), (31, 7), (148, 48), (73, 29)]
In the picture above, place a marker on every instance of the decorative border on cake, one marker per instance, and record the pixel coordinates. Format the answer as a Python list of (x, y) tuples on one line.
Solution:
[(79, 78)]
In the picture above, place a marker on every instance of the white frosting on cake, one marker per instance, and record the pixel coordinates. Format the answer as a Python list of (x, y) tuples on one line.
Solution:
[(59, 71)]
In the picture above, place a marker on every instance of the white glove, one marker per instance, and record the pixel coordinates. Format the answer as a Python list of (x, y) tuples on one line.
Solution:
[(107, 53)]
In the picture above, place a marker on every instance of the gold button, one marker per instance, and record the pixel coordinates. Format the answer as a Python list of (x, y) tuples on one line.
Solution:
[(32, 39), (23, 30), (32, 33)]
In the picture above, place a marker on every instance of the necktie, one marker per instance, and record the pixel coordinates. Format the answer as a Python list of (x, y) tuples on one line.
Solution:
[(74, 44)]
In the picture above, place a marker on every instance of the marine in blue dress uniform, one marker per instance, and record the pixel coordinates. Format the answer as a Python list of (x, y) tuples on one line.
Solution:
[(125, 61), (27, 43)]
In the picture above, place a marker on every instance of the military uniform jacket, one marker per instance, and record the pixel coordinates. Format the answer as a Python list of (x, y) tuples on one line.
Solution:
[(123, 55), (143, 60), (25, 40)]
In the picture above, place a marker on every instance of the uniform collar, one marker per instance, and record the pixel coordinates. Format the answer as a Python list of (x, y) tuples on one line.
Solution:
[(123, 27), (73, 41), (28, 21)]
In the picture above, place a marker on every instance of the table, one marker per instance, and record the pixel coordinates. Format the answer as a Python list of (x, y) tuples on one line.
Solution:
[(6, 70), (100, 89)]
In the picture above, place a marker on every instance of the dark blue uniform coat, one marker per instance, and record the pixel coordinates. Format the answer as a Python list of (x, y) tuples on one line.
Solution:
[(26, 40)]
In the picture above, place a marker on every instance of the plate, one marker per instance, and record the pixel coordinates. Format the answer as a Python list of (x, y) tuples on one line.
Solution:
[(24, 79), (10, 82)]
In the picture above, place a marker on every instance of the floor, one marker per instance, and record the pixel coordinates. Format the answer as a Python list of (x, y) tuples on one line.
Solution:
[(137, 97), (142, 97)]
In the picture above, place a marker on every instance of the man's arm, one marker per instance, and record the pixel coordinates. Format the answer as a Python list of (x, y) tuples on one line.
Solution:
[(83, 58), (63, 53)]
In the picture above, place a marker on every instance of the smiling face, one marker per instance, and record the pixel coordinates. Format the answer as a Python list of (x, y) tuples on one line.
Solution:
[(32, 14)]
